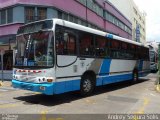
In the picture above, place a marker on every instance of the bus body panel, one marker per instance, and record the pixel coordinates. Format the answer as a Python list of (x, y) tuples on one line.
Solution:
[(145, 69), (67, 84), (47, 89), (153, 60), (122, 65)]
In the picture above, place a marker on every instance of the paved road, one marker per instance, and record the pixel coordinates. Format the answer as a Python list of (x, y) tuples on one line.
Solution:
[(115, 98)]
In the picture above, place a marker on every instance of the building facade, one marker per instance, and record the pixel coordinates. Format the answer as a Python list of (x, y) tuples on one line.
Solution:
[(98, 14), (132, 12)]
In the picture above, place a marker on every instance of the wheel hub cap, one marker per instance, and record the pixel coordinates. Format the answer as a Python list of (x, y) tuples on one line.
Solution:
[(87, 85)]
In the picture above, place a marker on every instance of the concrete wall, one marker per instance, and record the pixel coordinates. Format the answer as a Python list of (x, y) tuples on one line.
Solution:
[(127, 8), (9, 29), (124, 6), (71, 7)]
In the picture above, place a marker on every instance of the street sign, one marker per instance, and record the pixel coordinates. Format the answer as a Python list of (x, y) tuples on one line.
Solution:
[(138, 33)]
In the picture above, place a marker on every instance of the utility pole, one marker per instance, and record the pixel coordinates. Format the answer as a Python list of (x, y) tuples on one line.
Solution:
[(86, 13), (158, 63), (2, 64)]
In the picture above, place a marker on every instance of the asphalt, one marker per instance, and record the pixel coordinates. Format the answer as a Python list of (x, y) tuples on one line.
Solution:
[(119, 98)]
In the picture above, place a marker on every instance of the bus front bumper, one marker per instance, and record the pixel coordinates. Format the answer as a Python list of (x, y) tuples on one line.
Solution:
[(36, 87)]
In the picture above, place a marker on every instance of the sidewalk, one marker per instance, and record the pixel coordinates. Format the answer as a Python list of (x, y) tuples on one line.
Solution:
[(5, 83), (158, 87), (158, 83)]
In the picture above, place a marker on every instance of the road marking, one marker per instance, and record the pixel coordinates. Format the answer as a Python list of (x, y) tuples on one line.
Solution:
[(90, 101), (158, 88), (8, 88), (3, 90), (145, 103), (43, 113), (45, 117), (8, 105), (152, 94)]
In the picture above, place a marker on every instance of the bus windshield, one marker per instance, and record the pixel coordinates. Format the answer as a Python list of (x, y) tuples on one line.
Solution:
[(35, 49)]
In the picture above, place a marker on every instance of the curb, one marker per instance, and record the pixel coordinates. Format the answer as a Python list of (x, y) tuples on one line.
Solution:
[(158, 88), (1, 84), (5, 84)]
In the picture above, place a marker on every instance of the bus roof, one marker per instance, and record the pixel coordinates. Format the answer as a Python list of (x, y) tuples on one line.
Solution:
[(90, 30), (94, 31)]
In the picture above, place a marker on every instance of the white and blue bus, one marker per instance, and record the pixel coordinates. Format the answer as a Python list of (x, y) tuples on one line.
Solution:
[(56, 56), (153, 60)]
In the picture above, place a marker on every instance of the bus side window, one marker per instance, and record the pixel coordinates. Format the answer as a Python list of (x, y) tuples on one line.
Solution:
[(86, 44), (124, 50), (59, 40), (115, 49), (65, 41), (101, 50), (71, 45)]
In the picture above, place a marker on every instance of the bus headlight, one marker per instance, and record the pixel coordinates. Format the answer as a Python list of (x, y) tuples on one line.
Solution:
[(47, 79), (50, 80)]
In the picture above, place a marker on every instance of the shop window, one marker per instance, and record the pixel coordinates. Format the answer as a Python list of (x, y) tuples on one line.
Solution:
[(83, 2), (9, 15), (42, 13), (30, 14), (0, 17), (65, 16), (3, 17), (90, 4), (111, 19), (70, 18), (59, 14)]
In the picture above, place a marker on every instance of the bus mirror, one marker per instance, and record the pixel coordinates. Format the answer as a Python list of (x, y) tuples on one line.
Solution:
[(65, 37)]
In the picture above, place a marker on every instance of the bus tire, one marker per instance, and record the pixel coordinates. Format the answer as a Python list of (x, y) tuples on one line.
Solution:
[(87, 85), (135, 76)]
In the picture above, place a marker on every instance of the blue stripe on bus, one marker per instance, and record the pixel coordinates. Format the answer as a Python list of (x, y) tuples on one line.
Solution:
[(105, 67), (67, 86), (112, 79), (34, 87), (50, 89)]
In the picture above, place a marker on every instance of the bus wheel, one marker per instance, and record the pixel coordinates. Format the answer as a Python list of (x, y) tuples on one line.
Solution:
[(135, 76), (87, 85)]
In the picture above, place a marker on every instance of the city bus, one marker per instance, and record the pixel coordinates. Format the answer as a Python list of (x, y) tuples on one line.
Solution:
[(153, 60), (55, 56)]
